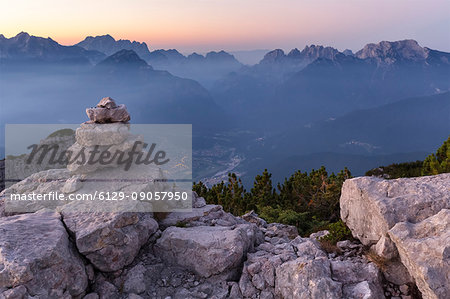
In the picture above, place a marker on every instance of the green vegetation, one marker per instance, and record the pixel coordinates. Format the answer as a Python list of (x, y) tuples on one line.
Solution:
[(433, 164), (400, 170), (439, 162), (338, 232), (308, 201), (181, 224)]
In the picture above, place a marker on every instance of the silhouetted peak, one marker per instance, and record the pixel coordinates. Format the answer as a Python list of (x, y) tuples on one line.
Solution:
[(22, 35), (316, 51), (348, 52), (221, 55), (294, 53), (124, 58), (105, 37), (196, 57), (108, 45)]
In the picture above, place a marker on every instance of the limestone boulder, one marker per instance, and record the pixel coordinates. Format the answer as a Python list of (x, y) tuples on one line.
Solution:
[(109, 241), (197, 201), (207, 250), (304, 278), (37, 259), (372, 206), (424, 249)]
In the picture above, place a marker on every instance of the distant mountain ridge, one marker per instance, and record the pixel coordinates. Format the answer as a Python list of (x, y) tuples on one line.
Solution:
[(108, 45), (400, 51), (24, 47), (307, 55), (321, 82), (203, 68)]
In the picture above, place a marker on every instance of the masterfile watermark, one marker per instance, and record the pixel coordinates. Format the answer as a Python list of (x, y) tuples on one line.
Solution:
[(96, 167), (97, 155)]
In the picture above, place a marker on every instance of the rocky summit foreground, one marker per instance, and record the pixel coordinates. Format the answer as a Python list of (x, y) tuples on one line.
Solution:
[(208, 253), (407, 224), (401, 247)]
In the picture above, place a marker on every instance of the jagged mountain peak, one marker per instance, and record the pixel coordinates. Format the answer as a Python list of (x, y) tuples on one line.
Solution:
[(24, 46), (128, 57), (274, 56), (221, 55), (108, 45), (348, 52), (390, 52), (123, 60), (307, 55), (294, 53), (101, 37), (319, 51), (22, 34)]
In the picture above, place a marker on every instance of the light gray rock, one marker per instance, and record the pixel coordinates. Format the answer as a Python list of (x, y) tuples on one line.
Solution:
[(81, 163), (360, 279), (371, 206), (106, 290), (206, 215), (385, 248), (281, 231), (42, 182), (252, 217), (266, 295), (197, 202), (424, 249), (91, 296), (207, 250), (362, 290), (134, 280), (110, 240), (90, 134), (235, 292), (72, 184), (49, 154), (395, 272), (305, 278), (246, 286), (35, 252), (349, 271), (19, 292)]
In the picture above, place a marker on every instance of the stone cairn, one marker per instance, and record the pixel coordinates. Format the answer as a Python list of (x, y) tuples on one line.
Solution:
[(107, 129)]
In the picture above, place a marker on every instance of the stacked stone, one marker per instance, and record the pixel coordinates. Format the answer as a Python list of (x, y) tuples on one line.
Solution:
[(107, 130), (107, 111)]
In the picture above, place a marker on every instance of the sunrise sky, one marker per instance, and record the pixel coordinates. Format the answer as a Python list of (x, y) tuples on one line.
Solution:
[(202, 25)]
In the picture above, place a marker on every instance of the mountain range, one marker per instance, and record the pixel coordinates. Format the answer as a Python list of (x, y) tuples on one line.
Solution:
[(293, 90), (24, 48), (205, 69), (389, 98)]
